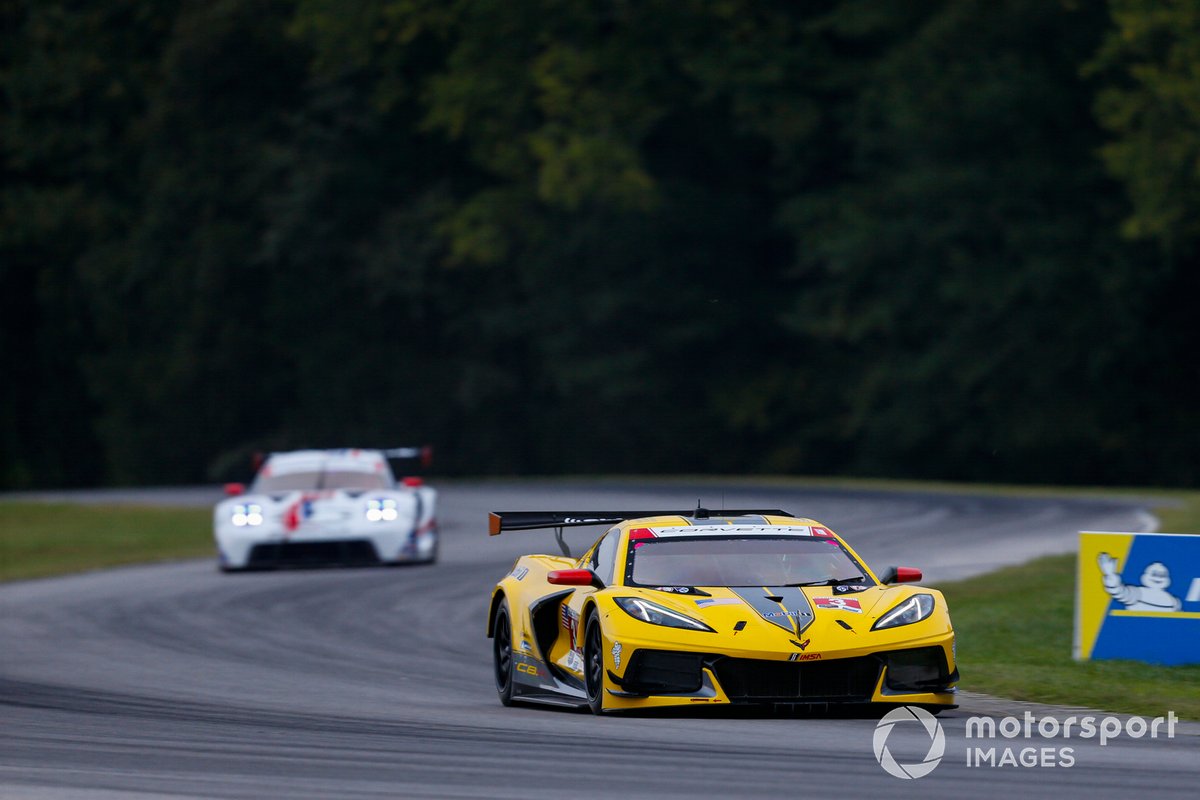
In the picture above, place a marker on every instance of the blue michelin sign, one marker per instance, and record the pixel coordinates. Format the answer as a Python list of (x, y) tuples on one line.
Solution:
[(1138, 597)]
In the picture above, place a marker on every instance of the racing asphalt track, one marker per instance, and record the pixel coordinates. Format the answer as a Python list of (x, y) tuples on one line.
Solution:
[(176, 681)]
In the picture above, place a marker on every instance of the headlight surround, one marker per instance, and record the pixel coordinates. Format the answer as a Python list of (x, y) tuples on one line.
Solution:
[(655, 614), (246, 515), (383, 509), (913, 609)]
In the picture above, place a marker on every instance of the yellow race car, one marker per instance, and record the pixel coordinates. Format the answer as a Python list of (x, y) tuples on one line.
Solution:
[(700, 608)]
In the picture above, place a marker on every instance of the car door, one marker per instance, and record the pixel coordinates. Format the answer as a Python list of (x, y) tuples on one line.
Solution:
[(601, 559)]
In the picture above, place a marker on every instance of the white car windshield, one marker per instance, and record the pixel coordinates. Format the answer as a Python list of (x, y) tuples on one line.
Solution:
[(317, 480), (749, 561)]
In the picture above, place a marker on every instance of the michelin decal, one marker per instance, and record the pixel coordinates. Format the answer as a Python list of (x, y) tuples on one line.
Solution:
[(1138, 597), (1150, 595)]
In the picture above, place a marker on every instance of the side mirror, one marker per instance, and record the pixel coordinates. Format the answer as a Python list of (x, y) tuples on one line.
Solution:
[(574, 577), (234, 489), (901, 575)]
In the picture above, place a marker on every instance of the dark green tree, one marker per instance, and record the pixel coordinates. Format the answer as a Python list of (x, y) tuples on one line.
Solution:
[(962, 284)]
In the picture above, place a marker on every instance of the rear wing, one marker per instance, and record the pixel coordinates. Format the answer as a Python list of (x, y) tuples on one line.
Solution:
[(424, 453), (500, 521)]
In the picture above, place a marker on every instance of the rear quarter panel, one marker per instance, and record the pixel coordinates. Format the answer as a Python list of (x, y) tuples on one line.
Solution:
[(524, 584)]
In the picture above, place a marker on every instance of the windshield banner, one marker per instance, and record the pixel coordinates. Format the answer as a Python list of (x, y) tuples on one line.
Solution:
[(1138, 597)]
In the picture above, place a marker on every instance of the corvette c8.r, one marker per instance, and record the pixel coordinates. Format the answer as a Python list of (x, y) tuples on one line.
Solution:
[(703, 609)]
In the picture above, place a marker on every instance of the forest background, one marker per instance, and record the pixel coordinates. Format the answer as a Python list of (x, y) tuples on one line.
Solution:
[(949, 239)]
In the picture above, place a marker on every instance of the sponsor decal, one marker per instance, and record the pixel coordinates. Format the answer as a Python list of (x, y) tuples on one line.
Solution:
[(783, 613), (616, 654), (846, 588), (804, 657), (527, 667), (526, 646), (725, 527), (839, 604), (570, 621), (1138, 597), (292, 517), (785, 606), (718, 601), (519, 573), (574, 661), (682, 590), (818, 531), (1149, 595), (303, 510)]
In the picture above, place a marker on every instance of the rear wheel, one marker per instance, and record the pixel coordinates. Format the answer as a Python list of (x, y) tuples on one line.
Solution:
[(502, 653), (593, 664), (433, 554)]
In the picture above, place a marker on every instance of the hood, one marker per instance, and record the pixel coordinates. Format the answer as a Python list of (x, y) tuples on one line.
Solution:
[(790, 610)]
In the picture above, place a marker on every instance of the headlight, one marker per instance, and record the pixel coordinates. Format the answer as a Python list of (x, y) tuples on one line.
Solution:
[(914, 609), (382, 510), (247, 514), (657, 615)]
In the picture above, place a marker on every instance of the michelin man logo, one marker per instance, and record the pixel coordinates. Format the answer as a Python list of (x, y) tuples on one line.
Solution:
[(1151, 595), (930, 729)]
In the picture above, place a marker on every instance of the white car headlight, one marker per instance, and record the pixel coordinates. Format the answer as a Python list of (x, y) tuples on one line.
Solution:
[(914, 609), (245, 514), (655, 614), (382, 510)]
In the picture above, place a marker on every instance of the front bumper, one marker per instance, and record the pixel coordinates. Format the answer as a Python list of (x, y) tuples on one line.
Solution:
[(240, 549), (917, 675)]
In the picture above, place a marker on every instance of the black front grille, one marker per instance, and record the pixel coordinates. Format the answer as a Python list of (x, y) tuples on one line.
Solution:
[(752, 680), (355, 552)]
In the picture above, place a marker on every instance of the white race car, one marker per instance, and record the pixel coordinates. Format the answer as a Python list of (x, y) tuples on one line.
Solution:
[(327, 506)]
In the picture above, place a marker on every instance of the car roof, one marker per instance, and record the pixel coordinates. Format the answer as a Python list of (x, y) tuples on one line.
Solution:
[(751, 524), (344, 460)]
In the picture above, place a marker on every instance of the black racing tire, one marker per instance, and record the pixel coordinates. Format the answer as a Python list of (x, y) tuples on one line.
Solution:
[(593, 663), (502, 653), (434, 555)]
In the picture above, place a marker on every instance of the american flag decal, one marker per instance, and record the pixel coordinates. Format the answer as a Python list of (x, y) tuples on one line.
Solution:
[(569, 621)]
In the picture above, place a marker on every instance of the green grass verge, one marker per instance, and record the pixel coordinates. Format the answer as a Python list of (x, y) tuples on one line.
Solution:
[(42, 539), (1015, 628)]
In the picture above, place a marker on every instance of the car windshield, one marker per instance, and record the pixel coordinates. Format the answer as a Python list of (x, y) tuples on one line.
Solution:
[(746, 561), (315, 480)]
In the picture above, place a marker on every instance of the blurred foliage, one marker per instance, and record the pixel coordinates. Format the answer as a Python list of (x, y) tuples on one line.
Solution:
[(943, 239)]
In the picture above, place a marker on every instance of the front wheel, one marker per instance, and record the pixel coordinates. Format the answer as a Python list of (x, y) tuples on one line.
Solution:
[(593, 664), (502, 653)]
